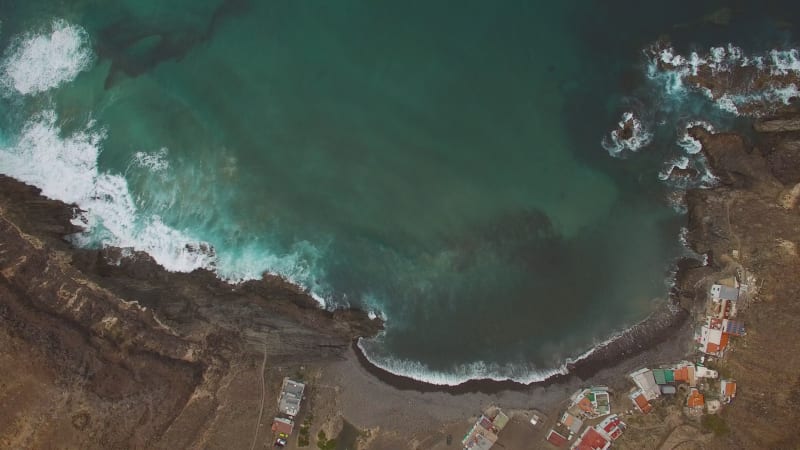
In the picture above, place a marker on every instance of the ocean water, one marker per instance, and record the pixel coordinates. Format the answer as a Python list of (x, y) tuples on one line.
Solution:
[(439, 164)]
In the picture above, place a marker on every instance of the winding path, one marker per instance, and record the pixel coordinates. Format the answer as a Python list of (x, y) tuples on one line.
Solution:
[(263, 394)]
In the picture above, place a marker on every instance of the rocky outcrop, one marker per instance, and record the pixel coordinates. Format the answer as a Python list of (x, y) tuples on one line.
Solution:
[(749, 225), (98, 351), (773, 125)]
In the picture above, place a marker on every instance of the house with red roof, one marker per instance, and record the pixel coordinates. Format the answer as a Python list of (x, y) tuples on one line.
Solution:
[(591, 439), (556, 439)]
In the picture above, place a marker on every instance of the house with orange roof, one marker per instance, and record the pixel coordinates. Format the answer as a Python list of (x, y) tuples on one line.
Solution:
[(640, 402), (713, 339), (695, 401), (727, 390), (591, 403), (685, 374)]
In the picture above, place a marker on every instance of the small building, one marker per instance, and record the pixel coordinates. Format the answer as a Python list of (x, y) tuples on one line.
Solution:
[(704, 372), (722, 292), (713, 340), (727, 390), (612, 427), (483, 434), (573, 423), (291, 397), (591, 403), (500, 421), (640, 402), (480, 436), (685, 374), (724, 309), (282, 425), (696, 400), (591, 439), (556, 439), (663, 376), (668, 389), (733, 327), (644, 380)]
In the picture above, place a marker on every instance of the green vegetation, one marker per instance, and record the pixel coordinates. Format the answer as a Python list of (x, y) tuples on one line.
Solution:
[(303, 437), (323, 443), (715, 424)]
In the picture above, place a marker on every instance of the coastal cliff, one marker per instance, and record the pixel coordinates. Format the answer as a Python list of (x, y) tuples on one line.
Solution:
[(98, 351)]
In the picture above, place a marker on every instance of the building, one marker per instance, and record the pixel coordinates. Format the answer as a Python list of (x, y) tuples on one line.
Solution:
[(291, 397), (500, 421), (591, 439), (703, 372), (573, 423), (590, 403), (483, 434), (556, 439), (727, 390), (663, 376), (644, 380), (722, 292), (640, 402), (696, 400), (612, 427), (733, 327), (713, 339), (685, 374), (282, 425)]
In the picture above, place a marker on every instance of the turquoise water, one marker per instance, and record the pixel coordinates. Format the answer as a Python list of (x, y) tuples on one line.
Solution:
[(438, 165)]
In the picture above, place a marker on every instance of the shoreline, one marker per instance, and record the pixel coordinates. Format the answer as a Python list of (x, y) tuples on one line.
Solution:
[(645, 335)]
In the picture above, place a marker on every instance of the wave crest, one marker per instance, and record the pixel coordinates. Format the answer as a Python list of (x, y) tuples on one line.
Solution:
[(40, 62)]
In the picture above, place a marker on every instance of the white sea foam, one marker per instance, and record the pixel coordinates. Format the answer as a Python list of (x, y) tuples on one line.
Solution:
[(480, 370), (678, 163), (688, 143), (615, 144), (784, 61), (154, 161), (41, 61), (70, 174), (462, 373), (670, 69), (111, 217)]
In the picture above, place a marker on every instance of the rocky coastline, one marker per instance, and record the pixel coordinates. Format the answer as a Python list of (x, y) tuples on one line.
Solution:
[(141, 357)]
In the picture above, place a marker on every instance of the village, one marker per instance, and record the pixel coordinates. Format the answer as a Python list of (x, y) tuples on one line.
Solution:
[(593, 417), (590, 423)]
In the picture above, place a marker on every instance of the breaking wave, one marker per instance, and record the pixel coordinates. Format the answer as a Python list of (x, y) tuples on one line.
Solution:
[(630, 135), (65, 168), (678, 75), (39, 62), (480, 370)]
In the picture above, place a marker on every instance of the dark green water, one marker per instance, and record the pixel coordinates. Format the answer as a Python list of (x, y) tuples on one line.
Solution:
[(439, 163)]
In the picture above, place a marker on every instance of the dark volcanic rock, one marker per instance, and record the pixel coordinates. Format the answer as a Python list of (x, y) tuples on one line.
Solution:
[(127, 347), (784, 161)]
